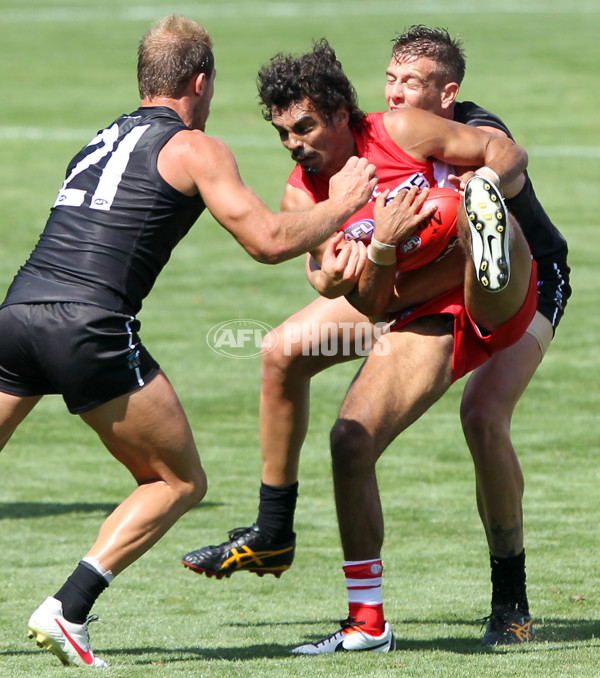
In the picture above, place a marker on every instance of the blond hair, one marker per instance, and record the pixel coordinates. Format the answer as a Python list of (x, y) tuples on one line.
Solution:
[(171, 52)]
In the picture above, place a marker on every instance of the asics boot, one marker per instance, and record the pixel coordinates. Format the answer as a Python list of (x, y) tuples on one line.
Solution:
[(247, 549), (508, 626), (350, 638), (69, 642), (488, 221)]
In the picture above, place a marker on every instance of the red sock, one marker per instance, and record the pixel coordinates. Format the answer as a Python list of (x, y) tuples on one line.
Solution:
[(365, 602)]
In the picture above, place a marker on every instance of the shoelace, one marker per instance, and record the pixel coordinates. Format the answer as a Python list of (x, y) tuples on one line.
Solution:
[(483, 620), (500, 616), (345, 624), (238, 532), (349, 623), (90, 620)]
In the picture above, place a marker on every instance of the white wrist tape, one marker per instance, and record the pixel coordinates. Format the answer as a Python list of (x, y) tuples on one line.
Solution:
[(381, 253), (489, 174)]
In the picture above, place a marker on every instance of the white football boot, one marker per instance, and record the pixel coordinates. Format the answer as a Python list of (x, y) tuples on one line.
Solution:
[(350, 638), (69, 642), (488, 220)]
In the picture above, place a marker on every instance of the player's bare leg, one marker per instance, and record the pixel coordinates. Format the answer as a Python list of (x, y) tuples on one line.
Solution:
[(486, 416), (293, 355), (13, 409), (399, 387), (286, 374), (392, 390), (149, 433)]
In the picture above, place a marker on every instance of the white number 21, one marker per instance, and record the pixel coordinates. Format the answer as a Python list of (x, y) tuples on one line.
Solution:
[(111, 174)]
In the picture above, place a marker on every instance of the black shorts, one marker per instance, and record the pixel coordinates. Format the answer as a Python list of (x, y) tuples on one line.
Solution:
[(87, 354), (553, 290)]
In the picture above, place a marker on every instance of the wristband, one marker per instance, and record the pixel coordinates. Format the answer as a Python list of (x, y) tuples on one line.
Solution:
[(384, 246), (489, 174), (380, 253)]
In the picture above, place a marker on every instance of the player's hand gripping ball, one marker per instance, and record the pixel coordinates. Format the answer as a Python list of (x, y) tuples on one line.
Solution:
[(431, 238)]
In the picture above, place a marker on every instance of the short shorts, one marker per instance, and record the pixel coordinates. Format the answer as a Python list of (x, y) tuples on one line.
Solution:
[(87, 354), (471, 348), (553, 290)]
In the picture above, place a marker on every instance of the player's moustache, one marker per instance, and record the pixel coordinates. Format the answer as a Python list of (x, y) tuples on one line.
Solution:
[(300, 154)]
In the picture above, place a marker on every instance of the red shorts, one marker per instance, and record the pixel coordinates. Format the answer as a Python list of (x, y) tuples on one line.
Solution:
[(471, 349)]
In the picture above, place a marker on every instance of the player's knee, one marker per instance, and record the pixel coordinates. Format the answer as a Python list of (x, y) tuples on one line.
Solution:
[(282, 354), (194, 491), (485, 423), (474, 419), (351, 447), (477, 413)]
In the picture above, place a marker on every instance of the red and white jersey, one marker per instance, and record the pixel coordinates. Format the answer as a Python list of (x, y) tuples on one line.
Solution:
[(395, 168)]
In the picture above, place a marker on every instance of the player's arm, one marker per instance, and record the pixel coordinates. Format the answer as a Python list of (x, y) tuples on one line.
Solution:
[(514, 187), (394, 222), (333, 266), (416, 287), (425, 136), (193, 161), (296, 200), (342, 263), (413, 288)]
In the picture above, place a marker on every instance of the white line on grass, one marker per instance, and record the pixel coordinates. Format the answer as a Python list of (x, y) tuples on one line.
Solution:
[(591, 152), (227, 10), (22, 133), (16, 133)]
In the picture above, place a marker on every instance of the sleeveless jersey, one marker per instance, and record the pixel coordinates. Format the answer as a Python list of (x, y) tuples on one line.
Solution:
[(545, 240), (115, 221), (395, 168)]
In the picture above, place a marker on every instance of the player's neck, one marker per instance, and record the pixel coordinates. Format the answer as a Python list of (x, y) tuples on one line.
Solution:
[(178, 105)]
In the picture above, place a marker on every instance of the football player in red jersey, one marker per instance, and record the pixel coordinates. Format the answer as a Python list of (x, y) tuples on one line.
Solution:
[(320, 129)]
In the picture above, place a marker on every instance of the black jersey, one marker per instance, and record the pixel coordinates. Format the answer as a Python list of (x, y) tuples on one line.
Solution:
[(115, 221), (545, 240)]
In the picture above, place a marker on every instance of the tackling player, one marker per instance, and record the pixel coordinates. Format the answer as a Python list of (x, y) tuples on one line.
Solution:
[(68, 320), (426, 70)]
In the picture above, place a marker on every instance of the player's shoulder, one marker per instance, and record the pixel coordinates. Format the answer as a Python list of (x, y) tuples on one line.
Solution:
[(296, 199), (470, 113), (409, 127), (196, 137), (409, 117), (196, 144)]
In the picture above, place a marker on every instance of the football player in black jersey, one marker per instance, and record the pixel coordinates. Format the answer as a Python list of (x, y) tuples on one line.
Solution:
[(426, 70), (68, 320)]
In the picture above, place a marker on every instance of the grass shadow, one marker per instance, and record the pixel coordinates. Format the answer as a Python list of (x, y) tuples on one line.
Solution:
[(565, 633)]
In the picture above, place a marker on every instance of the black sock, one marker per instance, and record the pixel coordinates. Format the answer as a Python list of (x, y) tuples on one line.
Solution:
[(276, 510), (80, 591), (508, 582)]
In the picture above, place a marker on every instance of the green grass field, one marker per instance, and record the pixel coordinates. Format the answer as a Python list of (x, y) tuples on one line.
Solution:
[(68, 70)]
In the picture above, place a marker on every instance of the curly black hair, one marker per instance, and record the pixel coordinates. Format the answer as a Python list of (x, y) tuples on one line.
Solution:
[(433, 43), (316, 75)]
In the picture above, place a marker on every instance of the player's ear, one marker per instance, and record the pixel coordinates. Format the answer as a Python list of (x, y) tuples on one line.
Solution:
[(199, 83), (449, 94)]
